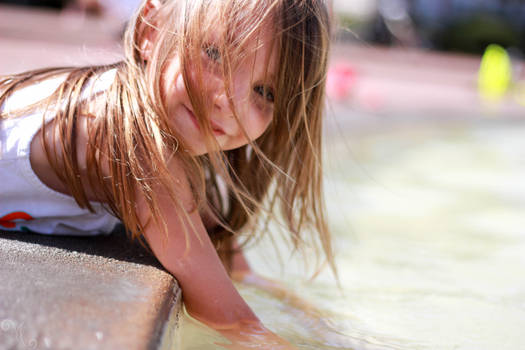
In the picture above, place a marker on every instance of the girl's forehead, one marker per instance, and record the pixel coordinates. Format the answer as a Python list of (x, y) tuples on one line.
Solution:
[(245, 34), (249, 42), (260, 40), (261, 50)]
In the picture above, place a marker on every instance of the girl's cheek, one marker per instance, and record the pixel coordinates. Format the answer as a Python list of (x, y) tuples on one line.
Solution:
[(259, 122), (265, 114), (266, 124)]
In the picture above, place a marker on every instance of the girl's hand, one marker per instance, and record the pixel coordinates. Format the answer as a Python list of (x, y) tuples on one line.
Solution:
[(242, 273), (254, 336)]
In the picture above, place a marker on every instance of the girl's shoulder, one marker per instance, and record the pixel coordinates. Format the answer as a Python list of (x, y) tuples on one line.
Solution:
[(31, 94), (99, 83), (41, 90)]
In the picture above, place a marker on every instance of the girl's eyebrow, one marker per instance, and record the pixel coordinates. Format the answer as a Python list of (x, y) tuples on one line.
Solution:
[(269, 78), (269, 75)]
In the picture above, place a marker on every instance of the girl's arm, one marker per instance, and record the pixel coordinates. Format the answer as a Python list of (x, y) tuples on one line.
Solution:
[(208, 293)]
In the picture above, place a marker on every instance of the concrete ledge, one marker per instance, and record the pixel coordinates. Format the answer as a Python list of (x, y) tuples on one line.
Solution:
[(61, 292)]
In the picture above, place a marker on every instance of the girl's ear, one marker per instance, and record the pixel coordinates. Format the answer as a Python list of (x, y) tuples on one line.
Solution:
[(148, 28)]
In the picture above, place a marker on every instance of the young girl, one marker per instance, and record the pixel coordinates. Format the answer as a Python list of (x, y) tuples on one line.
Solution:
[(210, 125)]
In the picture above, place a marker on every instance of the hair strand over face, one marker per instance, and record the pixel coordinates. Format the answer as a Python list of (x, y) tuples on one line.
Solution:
[(278, 176)]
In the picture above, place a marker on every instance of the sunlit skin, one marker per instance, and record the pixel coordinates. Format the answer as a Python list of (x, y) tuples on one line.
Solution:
[(186, 251), (251, 94)]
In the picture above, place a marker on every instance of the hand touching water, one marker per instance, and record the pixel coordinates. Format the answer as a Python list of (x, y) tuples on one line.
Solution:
[(187, 252), (255, 337)]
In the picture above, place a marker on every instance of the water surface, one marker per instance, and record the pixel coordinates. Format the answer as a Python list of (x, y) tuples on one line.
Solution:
[(429, 226)]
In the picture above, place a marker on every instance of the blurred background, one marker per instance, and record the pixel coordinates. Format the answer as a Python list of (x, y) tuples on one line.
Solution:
[(425, 167), (391, 55), (451, 25), (434, 45)]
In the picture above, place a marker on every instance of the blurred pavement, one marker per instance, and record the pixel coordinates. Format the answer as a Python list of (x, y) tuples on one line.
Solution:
[(396, 81), (36, 38)]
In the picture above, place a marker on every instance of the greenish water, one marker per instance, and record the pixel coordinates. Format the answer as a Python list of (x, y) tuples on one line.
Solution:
[(429, 232)]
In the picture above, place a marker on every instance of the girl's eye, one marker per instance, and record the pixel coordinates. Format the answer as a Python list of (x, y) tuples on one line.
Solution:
[(264, 92), (213, 52)]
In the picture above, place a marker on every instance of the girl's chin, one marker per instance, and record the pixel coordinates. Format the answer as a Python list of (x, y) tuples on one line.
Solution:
[(198, 152)]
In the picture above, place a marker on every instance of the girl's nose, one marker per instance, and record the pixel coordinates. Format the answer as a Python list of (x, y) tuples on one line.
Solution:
[(221, 103), (216, 90), (222, 113)]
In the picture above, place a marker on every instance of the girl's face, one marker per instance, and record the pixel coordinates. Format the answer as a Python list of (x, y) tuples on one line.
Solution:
[(251, 92)]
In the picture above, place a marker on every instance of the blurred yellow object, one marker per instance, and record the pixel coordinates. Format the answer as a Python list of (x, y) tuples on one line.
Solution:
[(495, 73)]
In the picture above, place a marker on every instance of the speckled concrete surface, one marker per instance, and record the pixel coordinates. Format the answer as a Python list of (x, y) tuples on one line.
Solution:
[(59, 292)]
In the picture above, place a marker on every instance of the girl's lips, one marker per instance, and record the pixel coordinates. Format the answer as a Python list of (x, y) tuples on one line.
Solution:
[(217, 130)]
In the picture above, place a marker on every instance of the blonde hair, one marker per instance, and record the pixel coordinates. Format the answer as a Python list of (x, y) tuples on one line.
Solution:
[(281, 171)]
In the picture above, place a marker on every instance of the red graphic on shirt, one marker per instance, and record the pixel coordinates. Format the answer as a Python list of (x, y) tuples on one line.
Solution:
[(7, 221)]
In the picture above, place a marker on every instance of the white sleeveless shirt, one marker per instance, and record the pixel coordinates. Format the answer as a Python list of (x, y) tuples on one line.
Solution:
[(27, 204)]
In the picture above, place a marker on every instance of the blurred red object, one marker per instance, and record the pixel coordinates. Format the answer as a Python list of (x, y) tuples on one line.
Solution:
[(341, 80)]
